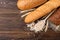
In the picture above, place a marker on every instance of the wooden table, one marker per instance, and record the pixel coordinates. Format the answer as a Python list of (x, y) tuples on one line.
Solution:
[(12, 27)]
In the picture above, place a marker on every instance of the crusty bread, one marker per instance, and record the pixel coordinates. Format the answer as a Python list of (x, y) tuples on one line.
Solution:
[(42, 11), (28, 4)]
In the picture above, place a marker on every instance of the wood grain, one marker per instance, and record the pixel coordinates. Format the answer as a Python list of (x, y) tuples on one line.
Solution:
[(12, 27)]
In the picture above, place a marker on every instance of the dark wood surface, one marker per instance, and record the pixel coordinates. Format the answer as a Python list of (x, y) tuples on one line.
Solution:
[(12, 27)]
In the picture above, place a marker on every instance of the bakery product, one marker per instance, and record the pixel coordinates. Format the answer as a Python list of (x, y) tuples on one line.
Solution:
[(42, 11), (28, 4)]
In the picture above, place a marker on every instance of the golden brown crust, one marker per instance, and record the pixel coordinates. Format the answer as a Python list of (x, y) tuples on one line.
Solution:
[(41, 11), (28, 4)]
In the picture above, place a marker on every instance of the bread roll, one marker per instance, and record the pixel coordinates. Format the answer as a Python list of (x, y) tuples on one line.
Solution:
[(28, 4), (42, 11)]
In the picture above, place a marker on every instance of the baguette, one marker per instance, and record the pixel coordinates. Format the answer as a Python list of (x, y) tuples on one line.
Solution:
[(42, 11), (28, 4)]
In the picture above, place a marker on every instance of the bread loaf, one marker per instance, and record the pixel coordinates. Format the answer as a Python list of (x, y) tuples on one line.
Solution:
[(28, 4), (42, 11)]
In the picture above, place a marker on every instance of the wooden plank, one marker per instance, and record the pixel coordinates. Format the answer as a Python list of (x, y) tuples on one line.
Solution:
[(12, 27)]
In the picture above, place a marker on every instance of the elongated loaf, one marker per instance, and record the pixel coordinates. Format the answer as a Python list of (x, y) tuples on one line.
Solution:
[(28, 4), (42, 11)]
